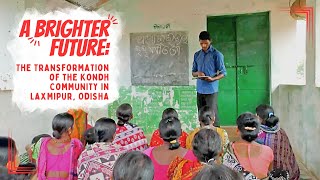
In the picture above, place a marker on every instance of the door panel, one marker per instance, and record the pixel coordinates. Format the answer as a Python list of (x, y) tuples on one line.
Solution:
[(227, 107), (244, 42), (253, 27), (253, 61), (249, 99), (230, 63), (227, 86), (253, 79), (222, 30), (253, 53)]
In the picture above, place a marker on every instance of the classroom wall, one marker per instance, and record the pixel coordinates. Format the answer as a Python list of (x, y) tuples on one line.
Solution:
[(191, 16), (317, 39), (140, 16), (9, 12), (23, 126), (298, 106)]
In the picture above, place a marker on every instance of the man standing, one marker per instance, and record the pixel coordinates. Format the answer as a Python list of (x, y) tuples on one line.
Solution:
[(208, 62)]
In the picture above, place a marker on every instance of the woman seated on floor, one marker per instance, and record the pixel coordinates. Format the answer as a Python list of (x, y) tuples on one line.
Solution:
[(129, 135), (206, 147), (245, 155), (276, 138), (156, 139), (27, 159), (206, 120), (161, 156), (58, 156), (96, 162)]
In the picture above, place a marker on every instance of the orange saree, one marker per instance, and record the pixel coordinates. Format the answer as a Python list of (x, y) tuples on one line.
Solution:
[(156, 139), (182, 169), (80, 123)]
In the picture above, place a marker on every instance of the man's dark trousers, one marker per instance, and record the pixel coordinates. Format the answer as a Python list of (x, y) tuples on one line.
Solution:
[(209, 100)]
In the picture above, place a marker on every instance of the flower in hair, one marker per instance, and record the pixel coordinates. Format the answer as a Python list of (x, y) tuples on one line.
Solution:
[(208, 162), (169, 120), (173, 141), (250, 128), (212, 159), (270, 114)]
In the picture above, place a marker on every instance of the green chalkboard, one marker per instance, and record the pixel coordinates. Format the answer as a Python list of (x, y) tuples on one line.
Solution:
[(148, 102)]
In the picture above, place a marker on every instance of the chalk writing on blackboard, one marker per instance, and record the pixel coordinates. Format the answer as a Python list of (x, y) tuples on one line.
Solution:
[(151, 46), (159, 54)]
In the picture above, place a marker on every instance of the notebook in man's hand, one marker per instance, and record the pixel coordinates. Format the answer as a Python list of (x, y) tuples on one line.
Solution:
[(200, 77)]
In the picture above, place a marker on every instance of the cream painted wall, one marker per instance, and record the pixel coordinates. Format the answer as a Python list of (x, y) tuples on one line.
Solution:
[(24, 126), (298, 108), (10, 11), (317, 38), (140, 15)]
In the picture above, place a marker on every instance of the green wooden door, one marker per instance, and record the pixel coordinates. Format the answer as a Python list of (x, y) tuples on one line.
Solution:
[(222, 31), (244, 41)]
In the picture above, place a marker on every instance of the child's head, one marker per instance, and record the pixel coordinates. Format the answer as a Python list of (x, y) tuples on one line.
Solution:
[(215, 171), (8, 152), (124, 114), (37, 138), (105, 130), (170, 131), (29, 147), (133, 165), (169, 112), (62, 124), (249, 126), (206, 116), (89, 136), (279, 174)]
